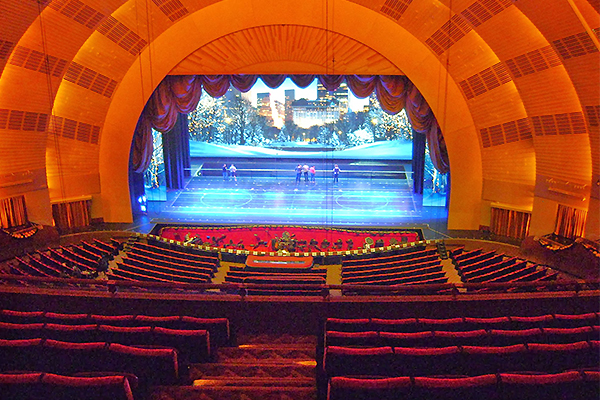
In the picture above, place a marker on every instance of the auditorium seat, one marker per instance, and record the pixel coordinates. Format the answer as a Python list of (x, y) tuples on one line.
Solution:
[(341, 361), (559, 386), (455, 388), (380, 388), (426, 361), (366, 338)]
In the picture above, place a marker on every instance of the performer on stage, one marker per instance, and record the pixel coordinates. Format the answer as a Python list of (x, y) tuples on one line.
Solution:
[(336, 173), (298, 173)]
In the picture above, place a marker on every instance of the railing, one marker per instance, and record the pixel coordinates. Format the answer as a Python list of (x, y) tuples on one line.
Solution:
[(327, 292)]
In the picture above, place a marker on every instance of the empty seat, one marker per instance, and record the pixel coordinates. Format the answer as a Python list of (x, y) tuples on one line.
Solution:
[(339, 361), (427, 361), (380, 388), (565, 385), (455, 388), (337, 338), (347, 324)]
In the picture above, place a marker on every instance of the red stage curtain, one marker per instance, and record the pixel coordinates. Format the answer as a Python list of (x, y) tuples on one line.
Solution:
[(13, 212), (181, 94)]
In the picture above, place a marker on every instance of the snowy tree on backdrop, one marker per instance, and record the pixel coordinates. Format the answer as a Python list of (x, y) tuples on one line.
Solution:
[(207, 122)]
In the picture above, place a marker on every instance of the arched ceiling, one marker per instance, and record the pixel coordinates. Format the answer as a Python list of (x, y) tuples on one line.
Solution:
[(517, 81), (288, 49)]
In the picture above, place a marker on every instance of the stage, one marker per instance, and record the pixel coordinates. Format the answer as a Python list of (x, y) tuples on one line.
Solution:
[(374, 189), (356, 200)]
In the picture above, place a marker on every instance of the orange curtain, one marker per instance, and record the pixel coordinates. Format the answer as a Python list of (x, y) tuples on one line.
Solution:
[(570, 222), (72, 214), (181, 94), (510, 223), (13, 212)]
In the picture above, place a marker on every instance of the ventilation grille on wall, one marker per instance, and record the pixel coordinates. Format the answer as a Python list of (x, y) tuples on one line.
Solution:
[(532, 62), (122, 35), (498, 74), (508, 132), (556, 124), (575, 45), (458, 26), (481, 11), (71, 129), (5, 48), (36, 61), (395, 8), (90, 79), (78, 11), (559, 124), (173, 9), (450, 33), (18, 120), (488, 79), (593, 115)]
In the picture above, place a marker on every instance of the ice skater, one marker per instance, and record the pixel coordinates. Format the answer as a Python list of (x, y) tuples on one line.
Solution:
[(336, 173), (233, 172)]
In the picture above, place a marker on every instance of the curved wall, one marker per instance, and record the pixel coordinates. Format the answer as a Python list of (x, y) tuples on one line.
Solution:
[(514, 86)]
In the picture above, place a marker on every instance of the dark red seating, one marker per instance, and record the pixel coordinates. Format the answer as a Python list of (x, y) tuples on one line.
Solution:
[(565, 385), (90, 388), (427, 361), (151, 365), (15, 386), (455, 388), (20, 331), (193, 345), (482, 360), (569, 385), (396, 325), (406, 339), (337, 338), (340, 361), (560, 357), (570, 335), (347, 324), (348, 388)]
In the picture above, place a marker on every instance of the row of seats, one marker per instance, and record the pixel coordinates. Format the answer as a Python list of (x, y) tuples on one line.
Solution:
[(152, 365), (39, 385), (169, 251), (193, 345), (160, 256), (462, 360), (414, 273), (365, 257), (381, 260), (573, 385), (288, 280), (140, 270), (181, 265), (479, 337), (510, 322), (479, 266), (218, 328)]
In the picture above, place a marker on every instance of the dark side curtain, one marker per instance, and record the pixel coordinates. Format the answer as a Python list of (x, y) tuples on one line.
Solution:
[(181, 94)]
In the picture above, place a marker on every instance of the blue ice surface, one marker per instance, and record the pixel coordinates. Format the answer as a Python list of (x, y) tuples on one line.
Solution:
[(389, 150)]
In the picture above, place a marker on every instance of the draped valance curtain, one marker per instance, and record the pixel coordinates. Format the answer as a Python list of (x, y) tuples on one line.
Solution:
[(181, 94)]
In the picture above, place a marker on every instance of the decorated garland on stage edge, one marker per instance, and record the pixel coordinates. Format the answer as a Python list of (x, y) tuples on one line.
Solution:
[(22, 231)]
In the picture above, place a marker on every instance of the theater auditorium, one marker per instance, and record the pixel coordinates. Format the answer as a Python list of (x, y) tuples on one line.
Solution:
[(243, 284)]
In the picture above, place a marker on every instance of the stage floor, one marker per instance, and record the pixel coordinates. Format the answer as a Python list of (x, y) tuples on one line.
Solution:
[(268, 200)]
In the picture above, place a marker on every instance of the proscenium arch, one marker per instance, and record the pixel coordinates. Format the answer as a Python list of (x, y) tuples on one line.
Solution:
[(356, 22)]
